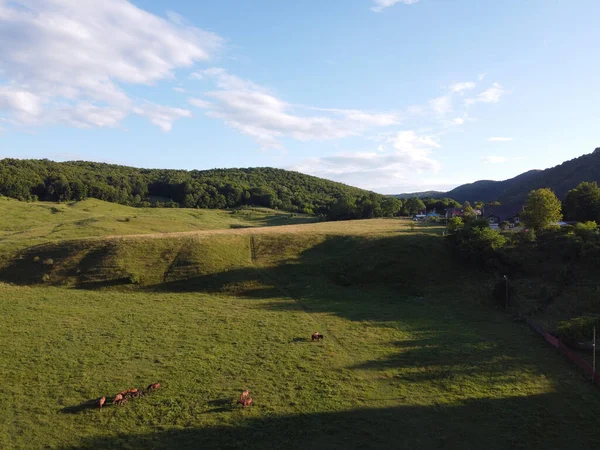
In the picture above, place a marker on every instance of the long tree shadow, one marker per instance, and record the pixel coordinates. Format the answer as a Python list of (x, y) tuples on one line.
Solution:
[(541, 421)]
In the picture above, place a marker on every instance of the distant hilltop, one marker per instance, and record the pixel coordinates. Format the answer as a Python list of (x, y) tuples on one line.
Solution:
[(560, 179)]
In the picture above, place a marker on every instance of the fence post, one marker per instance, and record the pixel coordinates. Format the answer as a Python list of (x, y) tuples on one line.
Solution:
[(506, 283), (594, 358)]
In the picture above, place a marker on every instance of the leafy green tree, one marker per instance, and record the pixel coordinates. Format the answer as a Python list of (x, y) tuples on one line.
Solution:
[(390, 206), (583, 203), (413, 206), (455, 224), (542, 209), (468, 211)]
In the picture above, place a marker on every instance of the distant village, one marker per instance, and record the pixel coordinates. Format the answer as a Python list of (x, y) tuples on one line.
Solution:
[(502, 216)]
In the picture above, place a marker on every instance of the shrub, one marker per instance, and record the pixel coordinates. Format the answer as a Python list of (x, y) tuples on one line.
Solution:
[(36, 259), (504, 225), (578, 329), (45, 278), (455, 224), (48, 262), (134, 279)]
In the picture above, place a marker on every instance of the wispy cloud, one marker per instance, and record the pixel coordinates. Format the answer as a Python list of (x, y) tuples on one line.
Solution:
[(491, 95), (441, 105), (500, 139), (67, 61), (493, 159), (394, 164), (461, 87), (257, 112), (380, 5)]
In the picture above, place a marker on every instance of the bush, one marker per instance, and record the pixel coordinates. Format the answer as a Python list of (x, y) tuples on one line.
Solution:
[(455, 224), (134, 279), (48, 262), (504, 225), (36, 259), (578, 329), (45, 278)]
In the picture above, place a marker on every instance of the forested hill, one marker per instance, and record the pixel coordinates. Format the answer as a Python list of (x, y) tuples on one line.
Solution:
[(560, 179), (218, 188)]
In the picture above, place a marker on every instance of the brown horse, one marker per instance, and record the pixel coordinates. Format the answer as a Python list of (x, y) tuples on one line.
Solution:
[(247, 402), (316, 336), (101, 402), (153, 387)]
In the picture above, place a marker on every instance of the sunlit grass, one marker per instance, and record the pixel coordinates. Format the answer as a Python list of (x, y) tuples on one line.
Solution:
[(413, 356), (25, 224)]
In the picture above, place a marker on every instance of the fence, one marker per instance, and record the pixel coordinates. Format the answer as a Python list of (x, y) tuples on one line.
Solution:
[(570, 354)]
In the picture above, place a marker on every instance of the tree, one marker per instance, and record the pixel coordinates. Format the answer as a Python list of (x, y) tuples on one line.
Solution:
[(542, 209), (390, 206), (468, 211), (583, 203), (414, 205), (455, 224)]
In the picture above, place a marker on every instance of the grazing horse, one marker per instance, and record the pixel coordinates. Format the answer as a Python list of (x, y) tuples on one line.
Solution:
[(316, 336), (118, 399), (247, 402), (154, 386), (101, 402), (245, 394)]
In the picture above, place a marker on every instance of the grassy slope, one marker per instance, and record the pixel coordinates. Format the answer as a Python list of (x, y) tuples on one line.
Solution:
[(411, 358), (26, 224)]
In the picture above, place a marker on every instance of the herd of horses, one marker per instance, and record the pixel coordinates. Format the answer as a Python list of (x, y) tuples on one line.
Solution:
[(122, 397)]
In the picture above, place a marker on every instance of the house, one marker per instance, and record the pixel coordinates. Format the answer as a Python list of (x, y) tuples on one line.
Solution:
[(504, 213), (453, 212)]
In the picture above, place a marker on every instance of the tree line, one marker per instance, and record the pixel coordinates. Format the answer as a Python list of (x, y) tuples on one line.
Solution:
[(31, 180)]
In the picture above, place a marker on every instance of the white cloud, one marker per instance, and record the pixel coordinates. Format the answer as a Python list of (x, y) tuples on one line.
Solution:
[(458, 121), (461, 87), (441, 105), (500, 139), (199, 103), (494, 159), (68, 60), (257, 112), (481, 76), (380, 5), (394, 166), (161, 116), (179, 90), (500, 159), (20, 101), (492, 95)]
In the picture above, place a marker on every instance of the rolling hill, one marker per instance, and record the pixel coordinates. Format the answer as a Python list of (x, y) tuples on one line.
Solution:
[(560, 179), (213, 189)]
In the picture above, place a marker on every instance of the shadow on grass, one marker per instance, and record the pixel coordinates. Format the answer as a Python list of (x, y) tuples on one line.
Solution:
[(87, 405), (541, 421)]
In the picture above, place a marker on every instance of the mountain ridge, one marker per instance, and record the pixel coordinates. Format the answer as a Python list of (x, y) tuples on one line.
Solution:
[(560, 179)]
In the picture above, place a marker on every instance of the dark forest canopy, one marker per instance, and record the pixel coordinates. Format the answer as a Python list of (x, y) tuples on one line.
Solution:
[(46, 180)]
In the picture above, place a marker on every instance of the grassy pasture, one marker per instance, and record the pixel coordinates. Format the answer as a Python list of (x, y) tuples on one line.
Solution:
[(413, 355), (26, 224)]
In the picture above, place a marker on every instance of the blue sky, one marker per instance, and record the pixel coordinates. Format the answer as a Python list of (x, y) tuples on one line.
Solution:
[(389, 95)]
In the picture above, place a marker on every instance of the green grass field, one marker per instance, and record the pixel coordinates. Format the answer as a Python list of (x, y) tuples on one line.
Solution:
[(414, 356), (26, 224)]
